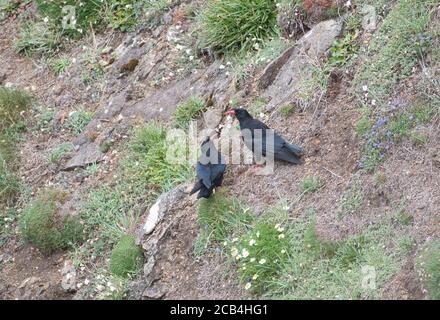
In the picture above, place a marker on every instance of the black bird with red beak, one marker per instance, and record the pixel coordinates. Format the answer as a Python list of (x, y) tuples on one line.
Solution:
[(281, 149)]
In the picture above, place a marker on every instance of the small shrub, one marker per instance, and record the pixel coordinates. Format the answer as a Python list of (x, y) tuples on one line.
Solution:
[(9, 183), (124, 14), (428, 265), (126, 258), (238, 25), (78, 120), (38, 38), (344, 50), (40, 225), (260, 255), (188, 111)]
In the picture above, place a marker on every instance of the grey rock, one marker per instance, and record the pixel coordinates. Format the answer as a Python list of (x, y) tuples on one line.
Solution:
[(369, 21), (86, 155), (167, 18), (154, 292), (68, 282), (271, 71), (286, 77)]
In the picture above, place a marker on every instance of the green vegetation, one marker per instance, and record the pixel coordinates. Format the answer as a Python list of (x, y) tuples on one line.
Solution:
[(188, 111), (310, 185), (41, 226), (78, 120), (58, 153), (59, 66), (238, 25), (220, 216), (156, 159), (344, 50), (287, 110), (259, 255), (12, 105), (428, 265), (126, 257), (38, 38), (84, 16), (394, 50)]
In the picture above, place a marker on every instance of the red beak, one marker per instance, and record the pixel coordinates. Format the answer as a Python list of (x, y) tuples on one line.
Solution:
[(230, 113)]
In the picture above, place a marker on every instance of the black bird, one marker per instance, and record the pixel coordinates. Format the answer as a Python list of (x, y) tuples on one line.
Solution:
[(281, 149), (210, 169)]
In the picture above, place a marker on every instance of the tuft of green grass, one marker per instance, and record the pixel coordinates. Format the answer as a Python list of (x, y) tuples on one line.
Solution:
[(317, 246), (156, 159), (310, 185), (39, 39), (259, 255), (126, 258), (237, 25), (220, 216), (352, 199), (12, 103), (364, 125), (58, 153), (428, 265), (188, 111), (287, 110), (41, 226), (78, 120), (60, 65), (9, 183)]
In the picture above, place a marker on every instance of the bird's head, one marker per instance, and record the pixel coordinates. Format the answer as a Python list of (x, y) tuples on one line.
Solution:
[(239, 113)]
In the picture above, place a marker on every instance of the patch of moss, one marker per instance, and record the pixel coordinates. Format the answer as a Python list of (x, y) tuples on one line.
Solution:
[(126, 257), (41, 226)]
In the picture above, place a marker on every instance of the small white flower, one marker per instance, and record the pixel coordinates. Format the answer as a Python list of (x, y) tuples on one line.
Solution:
[(262, 261), (258, 234), (365, 88), (234, 252), (46, 19), (221, 67), (283, 251), (253, 259), (252, 242), (255, 277), (248, 286), (225, 243), (281, 236), (245, 253), (235, 240), (238, 257)]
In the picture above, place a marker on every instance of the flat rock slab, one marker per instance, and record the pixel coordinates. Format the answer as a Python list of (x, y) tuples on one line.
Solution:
[(86, 155), (282, 76)]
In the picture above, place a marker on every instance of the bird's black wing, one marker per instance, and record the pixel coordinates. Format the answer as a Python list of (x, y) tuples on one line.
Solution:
[(204, 174)]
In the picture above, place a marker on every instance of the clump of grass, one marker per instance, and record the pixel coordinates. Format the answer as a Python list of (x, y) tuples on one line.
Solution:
[(352, 199), (87, 15), (156, 159), (58, 153), (187, 111), (38, 38), (126, 258), (310, 185), (59, 66), (238, 25), (287, 110), (221, 216), (428, 265), (317, 246), (112, 211), (259, 255), (78, 120), (12, 103), (41, 226)]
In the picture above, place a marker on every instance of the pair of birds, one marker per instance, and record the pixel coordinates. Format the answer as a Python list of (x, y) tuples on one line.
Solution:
[(210, 173)]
